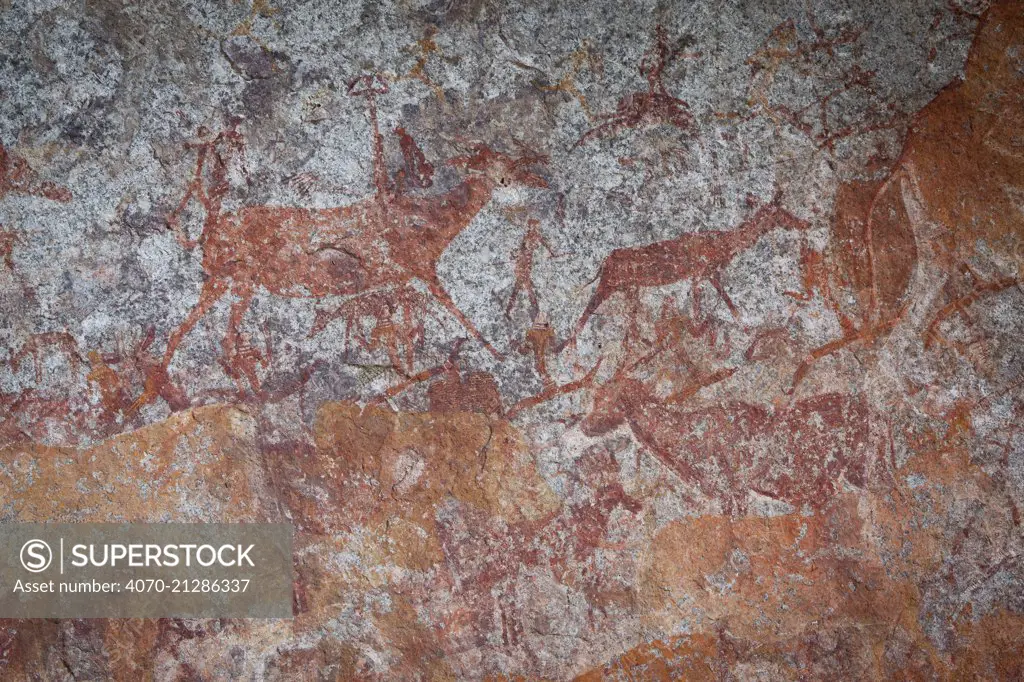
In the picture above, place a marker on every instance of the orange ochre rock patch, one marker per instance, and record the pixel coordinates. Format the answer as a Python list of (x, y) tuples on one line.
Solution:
[(797, 595)]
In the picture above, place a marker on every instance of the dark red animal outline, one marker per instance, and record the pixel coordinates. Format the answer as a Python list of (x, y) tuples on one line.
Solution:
[(697, 256), (685, 440)]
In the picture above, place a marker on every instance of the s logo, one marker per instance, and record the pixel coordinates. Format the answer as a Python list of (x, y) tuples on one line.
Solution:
[(36, 556)]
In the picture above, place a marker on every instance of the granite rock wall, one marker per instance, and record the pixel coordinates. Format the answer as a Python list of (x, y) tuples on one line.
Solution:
[(586, 340)]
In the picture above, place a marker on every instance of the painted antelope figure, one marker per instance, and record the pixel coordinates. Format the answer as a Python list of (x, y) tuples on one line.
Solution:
[(796, 455), (377, 245), (694, 256)]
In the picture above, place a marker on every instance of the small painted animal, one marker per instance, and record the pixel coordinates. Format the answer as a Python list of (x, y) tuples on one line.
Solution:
[(694, 256)]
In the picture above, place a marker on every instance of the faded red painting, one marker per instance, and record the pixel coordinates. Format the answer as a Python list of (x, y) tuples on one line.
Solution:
[(571, 341)]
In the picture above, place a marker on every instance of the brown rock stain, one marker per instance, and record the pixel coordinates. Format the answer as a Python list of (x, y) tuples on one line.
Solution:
[(966, 148), (419, 459), (197, 465), (787, 584)]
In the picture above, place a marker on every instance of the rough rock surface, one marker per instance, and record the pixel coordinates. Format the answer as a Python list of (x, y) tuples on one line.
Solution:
[(576, 339)]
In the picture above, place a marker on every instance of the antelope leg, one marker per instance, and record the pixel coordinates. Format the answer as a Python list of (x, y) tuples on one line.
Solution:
[(445, 300), (213, 289)]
